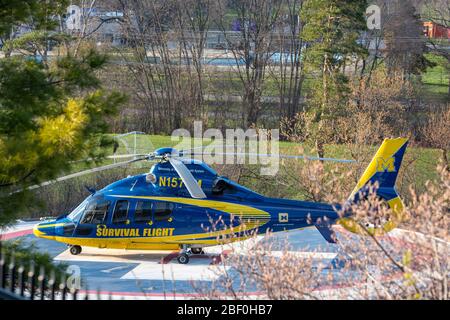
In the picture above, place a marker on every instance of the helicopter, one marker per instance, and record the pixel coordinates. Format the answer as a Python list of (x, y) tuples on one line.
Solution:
[(177, 204)]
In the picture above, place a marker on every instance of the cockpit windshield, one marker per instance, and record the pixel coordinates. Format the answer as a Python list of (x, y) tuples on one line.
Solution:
[(76, 214)]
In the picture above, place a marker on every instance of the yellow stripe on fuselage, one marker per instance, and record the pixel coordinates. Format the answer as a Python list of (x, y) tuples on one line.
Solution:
[(55, 225), (251, 218), (139, 244)]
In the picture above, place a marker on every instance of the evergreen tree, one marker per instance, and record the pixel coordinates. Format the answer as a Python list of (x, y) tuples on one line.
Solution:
[(51, 112), (332, 29)]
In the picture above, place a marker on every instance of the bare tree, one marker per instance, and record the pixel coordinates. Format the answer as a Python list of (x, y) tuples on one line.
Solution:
[(251, 44), (192, 24), (436, 133), (403, 43), (288, 71), (156, 80)]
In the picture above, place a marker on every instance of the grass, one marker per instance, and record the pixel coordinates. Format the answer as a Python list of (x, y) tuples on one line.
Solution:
[(436, 80)]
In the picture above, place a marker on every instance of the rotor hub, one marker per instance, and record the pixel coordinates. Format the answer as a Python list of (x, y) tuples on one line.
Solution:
[(166, 152)]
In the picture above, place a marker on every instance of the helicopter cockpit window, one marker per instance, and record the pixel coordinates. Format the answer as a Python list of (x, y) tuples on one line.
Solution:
[(120, 215), (76, 214), (96, 212), (163, 210), (143, 213)]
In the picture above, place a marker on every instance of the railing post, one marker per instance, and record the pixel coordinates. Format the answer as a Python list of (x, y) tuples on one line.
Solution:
[(41, 281), (12, 273), (32, 280), (63, 287), (52, 285), (74, 294), (21, 273)]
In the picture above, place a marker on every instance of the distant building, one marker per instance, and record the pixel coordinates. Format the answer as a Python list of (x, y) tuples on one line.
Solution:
[(435, 31), (104, 26)]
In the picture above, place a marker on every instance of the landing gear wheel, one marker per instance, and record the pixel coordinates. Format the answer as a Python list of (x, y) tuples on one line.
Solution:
[(197, 251), (75, 250), (183, 258)]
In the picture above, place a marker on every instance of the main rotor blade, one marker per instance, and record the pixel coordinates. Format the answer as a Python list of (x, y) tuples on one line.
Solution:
[(185, 152), (281, 156), (125, 156), (86, 172), (188, 179), (117, 157)]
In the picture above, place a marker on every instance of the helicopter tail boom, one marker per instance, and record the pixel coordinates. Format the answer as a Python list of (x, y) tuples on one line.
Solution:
[(381, 176), (383, 170)]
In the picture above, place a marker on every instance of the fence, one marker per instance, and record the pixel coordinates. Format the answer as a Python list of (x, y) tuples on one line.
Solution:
[(18, 282)]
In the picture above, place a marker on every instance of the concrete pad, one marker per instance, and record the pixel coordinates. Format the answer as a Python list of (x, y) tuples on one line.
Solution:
[(197, 269), (113, 255)]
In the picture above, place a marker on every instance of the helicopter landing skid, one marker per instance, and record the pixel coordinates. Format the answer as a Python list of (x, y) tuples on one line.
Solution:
[(75, 250), (186, 252)]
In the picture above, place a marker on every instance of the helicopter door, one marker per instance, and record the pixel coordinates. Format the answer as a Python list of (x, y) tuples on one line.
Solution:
[(120, 215), (143, 213), (95, 214), (163, 214)]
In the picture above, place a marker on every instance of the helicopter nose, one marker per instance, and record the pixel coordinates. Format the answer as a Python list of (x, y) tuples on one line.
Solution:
[(44, 230)]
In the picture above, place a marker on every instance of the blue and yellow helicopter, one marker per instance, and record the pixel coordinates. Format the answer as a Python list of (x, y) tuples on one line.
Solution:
[(176, 206)]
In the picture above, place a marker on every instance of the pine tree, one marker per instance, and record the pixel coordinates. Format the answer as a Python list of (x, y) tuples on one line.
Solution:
[(51, 112), (331, 29)]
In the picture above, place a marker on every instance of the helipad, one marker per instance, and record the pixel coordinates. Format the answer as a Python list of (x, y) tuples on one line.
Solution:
[(144, 274)]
